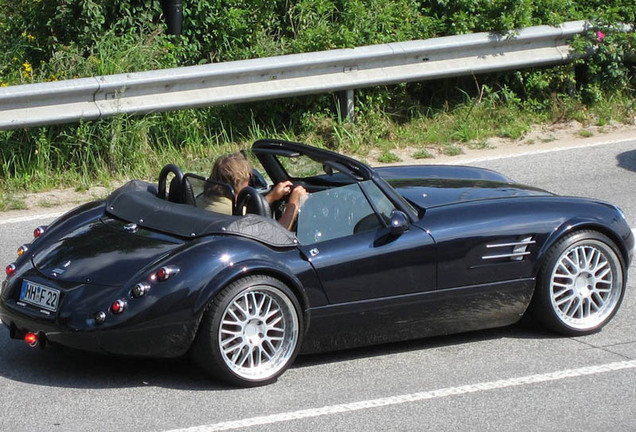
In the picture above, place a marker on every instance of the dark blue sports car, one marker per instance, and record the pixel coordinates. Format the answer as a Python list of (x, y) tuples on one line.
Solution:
[(376, 255)]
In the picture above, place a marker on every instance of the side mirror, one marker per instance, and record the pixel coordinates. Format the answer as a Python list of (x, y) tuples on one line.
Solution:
[(399, 222)]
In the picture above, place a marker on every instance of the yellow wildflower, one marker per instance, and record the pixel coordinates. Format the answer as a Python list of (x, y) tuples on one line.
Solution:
[(4, 84), (27, 69), (28, 36)]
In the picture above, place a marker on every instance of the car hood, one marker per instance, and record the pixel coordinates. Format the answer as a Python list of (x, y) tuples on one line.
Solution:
[(103, 252), (434, 192)]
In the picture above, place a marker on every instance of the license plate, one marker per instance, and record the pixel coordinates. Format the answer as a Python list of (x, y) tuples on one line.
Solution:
[(41, 296)]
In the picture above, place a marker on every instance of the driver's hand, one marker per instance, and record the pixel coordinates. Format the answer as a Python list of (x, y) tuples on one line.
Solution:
[(297, 195), (279, 191)]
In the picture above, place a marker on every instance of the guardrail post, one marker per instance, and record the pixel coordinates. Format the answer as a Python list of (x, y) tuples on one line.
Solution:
[(347, 107), (173, 11)]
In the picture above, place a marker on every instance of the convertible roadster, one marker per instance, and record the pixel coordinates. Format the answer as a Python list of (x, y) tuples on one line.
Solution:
[(376, 255)]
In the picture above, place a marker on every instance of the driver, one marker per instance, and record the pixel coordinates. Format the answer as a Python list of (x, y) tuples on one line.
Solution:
[(235, 170)]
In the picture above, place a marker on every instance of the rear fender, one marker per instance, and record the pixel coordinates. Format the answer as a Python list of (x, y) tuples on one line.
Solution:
[(250, 267), (78, 216)]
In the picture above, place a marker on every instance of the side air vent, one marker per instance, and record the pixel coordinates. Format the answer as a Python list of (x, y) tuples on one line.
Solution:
[(514, 251)]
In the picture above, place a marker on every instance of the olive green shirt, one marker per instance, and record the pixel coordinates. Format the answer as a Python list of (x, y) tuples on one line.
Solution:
[(215, 203)]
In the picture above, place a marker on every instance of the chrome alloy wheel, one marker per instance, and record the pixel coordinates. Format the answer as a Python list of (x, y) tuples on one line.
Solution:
[(586, 285), (258, 333)]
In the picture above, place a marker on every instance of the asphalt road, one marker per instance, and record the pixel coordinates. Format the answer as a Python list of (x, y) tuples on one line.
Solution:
[(510, 379)]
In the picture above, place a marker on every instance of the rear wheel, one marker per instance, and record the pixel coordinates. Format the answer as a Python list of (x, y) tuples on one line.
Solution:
[(251, 332), (581, 284)]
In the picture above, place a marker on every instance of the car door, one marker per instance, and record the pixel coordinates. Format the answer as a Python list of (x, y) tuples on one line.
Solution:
[(344, 234)]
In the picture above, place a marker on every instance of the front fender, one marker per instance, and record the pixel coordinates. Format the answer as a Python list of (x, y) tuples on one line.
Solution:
[(613, 226)]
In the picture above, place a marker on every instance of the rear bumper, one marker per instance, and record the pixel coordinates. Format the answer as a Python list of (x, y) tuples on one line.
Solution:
[(165, 340)]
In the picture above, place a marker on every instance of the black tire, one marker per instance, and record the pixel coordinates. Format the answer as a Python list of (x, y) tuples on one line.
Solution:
[(250, 333), (580, 285)]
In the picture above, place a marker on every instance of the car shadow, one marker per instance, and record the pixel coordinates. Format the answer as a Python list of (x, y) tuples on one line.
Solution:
[(627, 160), (524, 329), (62, 367), (58, 366)]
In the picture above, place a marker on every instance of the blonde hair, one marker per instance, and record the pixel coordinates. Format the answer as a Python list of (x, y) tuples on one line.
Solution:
[(233, 169)]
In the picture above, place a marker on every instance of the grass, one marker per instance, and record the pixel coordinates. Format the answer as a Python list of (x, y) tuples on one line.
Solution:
[(422, 154), (108, 152), (388, 157), (9, 202)]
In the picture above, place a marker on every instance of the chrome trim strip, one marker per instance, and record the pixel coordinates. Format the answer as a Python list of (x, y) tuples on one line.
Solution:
[(516, 255), (520, 243)]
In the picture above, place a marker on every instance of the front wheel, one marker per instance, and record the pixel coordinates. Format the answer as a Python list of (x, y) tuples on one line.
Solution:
[(580, 285), (251, 332)]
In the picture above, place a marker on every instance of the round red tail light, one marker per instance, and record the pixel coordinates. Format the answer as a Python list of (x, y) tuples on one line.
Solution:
[(31, 338), (166, 272), (118, 306), (10, 269), (39, 231)]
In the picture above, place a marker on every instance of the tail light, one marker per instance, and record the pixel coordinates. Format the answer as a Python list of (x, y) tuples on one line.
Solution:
[(165, 273), (39, 231), (118, 306), (31, 338), (10, 269)]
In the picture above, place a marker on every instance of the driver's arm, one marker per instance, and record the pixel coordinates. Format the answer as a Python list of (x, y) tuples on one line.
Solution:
[(291, 209)]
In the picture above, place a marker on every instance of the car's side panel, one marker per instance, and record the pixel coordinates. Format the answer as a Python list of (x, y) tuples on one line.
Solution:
[(487, 241), (418, 315), (374, 264), (481, 241)]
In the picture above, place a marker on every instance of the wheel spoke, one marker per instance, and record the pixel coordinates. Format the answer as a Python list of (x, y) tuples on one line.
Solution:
[(569, 299), (587, 309), (268, 349), (604, 273), (242, 308), (256, 354), (567, 269), (231, 312), (233, 336), (571, 302), (558, 294), (597, 260), (230, 348)]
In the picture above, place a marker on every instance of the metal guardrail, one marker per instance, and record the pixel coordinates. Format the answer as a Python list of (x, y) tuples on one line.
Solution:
[(283, 76)]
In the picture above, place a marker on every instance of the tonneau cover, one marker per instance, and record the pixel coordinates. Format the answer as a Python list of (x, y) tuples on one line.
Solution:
[(137, 202)]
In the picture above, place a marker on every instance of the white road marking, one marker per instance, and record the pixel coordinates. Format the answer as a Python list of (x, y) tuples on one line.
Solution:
[(413, 397), (31, 218), (468, 160)]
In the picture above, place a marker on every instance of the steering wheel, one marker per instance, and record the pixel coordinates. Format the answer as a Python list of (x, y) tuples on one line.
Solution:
[(163, 178)]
